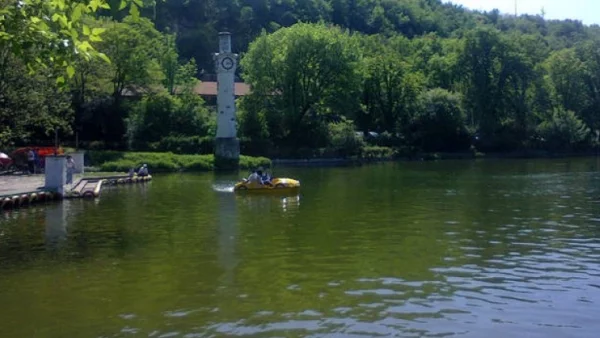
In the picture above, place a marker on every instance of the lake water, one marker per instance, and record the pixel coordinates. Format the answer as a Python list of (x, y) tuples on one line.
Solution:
[(465, 248)]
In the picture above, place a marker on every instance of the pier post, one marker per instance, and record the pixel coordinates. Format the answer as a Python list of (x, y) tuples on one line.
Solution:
[(227, 145), (56, 173)]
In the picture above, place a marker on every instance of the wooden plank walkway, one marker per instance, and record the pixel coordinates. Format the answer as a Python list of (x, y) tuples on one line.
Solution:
[(19, 184), (17, 191)]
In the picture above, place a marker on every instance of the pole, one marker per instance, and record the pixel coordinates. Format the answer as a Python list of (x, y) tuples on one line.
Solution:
[(76, 140), (55, 141)]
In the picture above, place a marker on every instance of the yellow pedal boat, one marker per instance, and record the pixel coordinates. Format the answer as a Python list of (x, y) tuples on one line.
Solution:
[(276, 185)]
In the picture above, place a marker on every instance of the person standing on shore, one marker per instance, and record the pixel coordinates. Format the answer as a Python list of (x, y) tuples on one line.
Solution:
[(70, 169), (31, 161)]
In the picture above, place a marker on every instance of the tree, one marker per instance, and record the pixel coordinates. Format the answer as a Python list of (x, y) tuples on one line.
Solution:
[(343, 138), (169, 62), (438, 59), (134, 49), (517, 75), (480, 63), (253, 126), (439, 124), (31, 107), (161, 116), (589, 53), (566, 79), (54, 29), (564, 131), (390, 90), (499, 76), (305, 72)]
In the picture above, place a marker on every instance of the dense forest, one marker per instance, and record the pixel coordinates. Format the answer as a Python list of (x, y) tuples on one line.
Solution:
[(328, 77)]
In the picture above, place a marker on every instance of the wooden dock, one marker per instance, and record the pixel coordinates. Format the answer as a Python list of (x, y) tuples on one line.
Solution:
[(27, 191)]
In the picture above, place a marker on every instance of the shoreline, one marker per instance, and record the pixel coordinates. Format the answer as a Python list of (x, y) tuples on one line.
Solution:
[(340, 161), (430, 157)]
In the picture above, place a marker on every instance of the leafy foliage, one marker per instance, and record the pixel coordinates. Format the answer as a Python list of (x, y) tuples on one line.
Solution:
[(439, 125), (31, 107), (419, 73), (564, 131), (344, 139), (390, 90), (55, 29), (161, 162), (305, 72), (163, 115)]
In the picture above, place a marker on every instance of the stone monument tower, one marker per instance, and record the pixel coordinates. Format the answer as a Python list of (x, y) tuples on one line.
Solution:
[(227, 145)]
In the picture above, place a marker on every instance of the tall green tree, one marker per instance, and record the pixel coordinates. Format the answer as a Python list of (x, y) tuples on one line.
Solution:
[(390, 90), (481, 65), (566, 79), (134, 47), (56, 28), (304, 72), (32, 107), (439, 122), (589, 53), (498, 78)]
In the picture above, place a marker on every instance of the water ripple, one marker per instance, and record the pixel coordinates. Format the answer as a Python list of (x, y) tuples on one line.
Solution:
[(413, 250)]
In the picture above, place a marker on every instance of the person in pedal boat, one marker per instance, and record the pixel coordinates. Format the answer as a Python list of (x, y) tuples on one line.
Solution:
[(254, 177), (264, 176)]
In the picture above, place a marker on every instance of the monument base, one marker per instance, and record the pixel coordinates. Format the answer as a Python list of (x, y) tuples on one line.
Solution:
[(56, 173), (227, 153)]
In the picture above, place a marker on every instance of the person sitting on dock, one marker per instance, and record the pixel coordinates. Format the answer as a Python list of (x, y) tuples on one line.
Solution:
[(143, 171), (31, 161)]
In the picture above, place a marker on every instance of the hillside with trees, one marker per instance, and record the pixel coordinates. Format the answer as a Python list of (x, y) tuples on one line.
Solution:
[(328, 77)]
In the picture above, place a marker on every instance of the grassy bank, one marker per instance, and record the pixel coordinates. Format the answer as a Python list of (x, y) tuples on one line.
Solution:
[(117, 161)]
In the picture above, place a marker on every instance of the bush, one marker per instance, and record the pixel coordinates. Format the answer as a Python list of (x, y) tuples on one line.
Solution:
[(248, 162), (164, 162), (439, 124), (195, 162), (184, 145), (97, 157), (344, 138), (254, 130), (376, 152), (564, 131)]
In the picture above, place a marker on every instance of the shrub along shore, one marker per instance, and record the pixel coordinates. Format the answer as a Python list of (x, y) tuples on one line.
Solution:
[(115, 161), (119, 161)]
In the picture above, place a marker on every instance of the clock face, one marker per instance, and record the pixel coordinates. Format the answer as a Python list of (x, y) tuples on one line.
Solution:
[(227, 63)]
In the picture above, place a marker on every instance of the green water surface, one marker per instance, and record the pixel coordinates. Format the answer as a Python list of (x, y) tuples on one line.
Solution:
[(462, 248)]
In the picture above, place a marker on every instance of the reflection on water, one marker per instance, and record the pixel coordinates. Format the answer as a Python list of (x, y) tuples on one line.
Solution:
[(227, 229), (56, 225), (266, 203), (471, 249)]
